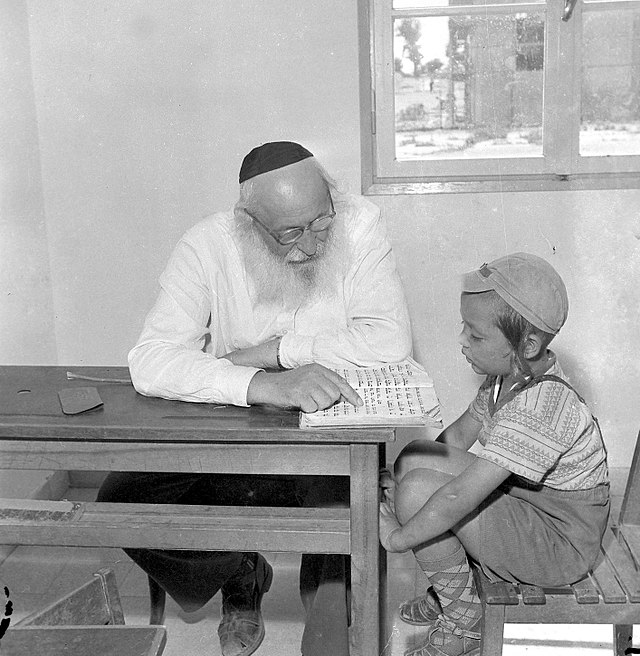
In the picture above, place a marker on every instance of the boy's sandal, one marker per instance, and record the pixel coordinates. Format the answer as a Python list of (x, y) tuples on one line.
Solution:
[(421, 610), (448, 639)]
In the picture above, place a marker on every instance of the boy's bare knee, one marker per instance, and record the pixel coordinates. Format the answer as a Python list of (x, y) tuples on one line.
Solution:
[(424, 480), (415, 488), (406, 460), (434, 456)]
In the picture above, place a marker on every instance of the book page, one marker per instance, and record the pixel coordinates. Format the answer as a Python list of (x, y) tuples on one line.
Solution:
[(402, 374), (383, 406)]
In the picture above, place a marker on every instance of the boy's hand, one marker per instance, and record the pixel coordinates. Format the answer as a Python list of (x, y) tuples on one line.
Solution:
[(388, 525)]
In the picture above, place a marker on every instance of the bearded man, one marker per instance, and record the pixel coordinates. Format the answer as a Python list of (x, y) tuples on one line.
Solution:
[(255, 305)]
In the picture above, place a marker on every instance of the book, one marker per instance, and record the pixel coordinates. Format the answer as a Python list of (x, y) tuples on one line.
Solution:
[(399, 394)]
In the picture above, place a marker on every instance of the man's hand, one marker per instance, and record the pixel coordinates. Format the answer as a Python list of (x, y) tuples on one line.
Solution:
[(264, 356), (310, 388)]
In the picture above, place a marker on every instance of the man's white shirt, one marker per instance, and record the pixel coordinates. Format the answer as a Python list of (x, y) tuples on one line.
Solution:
[(205, 310)]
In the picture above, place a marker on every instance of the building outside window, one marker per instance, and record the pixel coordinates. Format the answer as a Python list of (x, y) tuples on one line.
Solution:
[(535, 93)]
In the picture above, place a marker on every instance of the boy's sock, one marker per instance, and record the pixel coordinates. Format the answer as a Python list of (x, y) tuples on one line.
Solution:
[(453, 582)]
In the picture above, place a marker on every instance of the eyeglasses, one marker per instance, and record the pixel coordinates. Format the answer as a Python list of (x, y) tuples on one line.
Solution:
[(292, 235)]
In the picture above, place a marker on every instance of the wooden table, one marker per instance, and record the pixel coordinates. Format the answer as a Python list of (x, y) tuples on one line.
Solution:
[(136, 433), (84, 641)]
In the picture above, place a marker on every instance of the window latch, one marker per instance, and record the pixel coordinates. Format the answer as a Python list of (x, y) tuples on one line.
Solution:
[(569, 6)]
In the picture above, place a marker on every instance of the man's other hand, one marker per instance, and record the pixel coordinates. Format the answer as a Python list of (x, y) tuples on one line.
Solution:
[(310, 388), (264, 356)]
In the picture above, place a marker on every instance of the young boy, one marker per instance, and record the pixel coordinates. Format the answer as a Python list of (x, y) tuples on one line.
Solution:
[(532, 506)]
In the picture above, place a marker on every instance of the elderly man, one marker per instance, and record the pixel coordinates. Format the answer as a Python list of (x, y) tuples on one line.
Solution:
[(255, 305)]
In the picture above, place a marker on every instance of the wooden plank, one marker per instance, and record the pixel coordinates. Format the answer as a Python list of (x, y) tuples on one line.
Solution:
[(532, 595), (85, 641), (110, 587), (225, 429), (493, 619), (494, 593), (585, 592), (630, 510), (630, 538), (500, 592), (253, 458), (94, 603), (364, 634), (383, 596), (564, 609), (605, 578), (36, 509), (621, 562), (623, 639), (169, 526)]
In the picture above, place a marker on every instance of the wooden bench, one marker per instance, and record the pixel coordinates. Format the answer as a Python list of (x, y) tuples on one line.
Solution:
[(87, 621), (610, 594), (96, 602), (113, 640)]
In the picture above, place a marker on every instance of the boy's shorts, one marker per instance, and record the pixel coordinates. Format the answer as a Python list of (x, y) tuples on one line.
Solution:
[(542, 536)]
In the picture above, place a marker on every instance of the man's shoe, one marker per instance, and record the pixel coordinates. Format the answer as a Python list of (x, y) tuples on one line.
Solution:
[(241, 629), (421, 610)]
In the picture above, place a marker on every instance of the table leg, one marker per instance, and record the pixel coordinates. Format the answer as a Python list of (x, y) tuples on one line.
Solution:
[(365, 552), (383, 599)]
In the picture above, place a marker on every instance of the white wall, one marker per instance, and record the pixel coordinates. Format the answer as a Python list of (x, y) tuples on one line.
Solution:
[(26, 310), (144, 112)]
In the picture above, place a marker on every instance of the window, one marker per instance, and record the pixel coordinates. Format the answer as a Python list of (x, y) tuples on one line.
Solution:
[(504, 91)]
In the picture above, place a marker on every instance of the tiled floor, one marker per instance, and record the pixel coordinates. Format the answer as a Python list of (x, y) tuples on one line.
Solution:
[(37, 575)]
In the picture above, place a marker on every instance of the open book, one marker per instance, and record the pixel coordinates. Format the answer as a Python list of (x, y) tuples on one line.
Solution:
[(394, 395)]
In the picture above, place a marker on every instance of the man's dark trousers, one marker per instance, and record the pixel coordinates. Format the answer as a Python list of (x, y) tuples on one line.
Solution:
[(194, 577)]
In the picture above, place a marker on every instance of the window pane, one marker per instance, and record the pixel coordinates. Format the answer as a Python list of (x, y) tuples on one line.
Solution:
[(610, 111), (468, 86)]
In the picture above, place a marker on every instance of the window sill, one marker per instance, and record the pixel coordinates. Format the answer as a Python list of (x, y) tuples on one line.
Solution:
[(396, 187)]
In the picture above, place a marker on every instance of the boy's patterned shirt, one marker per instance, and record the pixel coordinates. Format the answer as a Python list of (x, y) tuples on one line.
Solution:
[(544, 434)]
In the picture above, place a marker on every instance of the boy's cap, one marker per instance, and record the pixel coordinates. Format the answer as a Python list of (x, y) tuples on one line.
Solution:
[(529, 284), (271, 156)]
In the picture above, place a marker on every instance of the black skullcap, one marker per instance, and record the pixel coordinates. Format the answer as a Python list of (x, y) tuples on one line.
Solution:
[(271, 156)]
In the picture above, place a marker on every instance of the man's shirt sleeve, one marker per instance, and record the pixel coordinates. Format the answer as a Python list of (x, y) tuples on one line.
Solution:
[(168, 360)]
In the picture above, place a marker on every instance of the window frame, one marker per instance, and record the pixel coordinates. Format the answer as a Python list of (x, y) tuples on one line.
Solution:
[(559, 167)]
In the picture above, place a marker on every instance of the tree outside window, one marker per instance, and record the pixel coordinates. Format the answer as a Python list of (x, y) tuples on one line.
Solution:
[(474, 91)]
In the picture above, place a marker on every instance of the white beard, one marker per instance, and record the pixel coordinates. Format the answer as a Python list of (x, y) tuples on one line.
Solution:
[(294, 280)]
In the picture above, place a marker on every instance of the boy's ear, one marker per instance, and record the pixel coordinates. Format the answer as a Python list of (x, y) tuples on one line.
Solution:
[(532, 346)]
